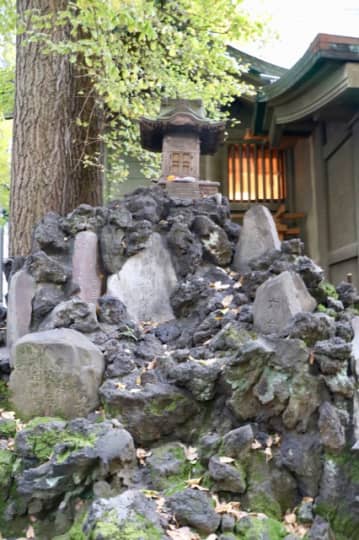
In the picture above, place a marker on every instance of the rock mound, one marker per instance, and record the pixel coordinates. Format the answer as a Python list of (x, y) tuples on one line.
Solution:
[(208, 421)]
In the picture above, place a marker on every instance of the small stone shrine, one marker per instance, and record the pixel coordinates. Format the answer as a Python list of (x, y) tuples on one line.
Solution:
[(182, 133)]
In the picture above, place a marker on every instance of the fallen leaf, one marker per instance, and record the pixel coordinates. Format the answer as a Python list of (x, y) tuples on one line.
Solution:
[(256, 444), (190, 452), (183, 533), (311, 358), (138, 380), (237, 285), (195, 483), (290, 518), (268, 454), (151, 365), (232, 508), (225, 459), (30, 533), (227, 300), (120, 386), (8, 415), (142, 454), (219, 286)]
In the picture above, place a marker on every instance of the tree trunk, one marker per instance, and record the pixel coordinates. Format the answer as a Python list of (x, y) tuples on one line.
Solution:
[(47, 173)]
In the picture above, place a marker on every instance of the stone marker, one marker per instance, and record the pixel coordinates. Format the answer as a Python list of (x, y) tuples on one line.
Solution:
[(21, 293), (146, 282), (57, 373), (85, 266), (258, 235), (278, 299)]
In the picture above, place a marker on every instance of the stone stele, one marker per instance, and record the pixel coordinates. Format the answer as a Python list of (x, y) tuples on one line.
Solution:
[(145, 283), (57, 373), (278, 299), (258, 235), (85, 266), (21, 293)]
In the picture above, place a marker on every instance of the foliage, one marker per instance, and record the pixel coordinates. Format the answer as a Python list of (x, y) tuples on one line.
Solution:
[(5, 142), (137, 51)]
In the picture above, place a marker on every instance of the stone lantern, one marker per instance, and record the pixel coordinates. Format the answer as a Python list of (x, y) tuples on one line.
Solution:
[(182, 133)]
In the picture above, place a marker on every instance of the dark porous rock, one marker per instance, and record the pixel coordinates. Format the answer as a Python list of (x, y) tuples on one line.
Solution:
[(119, 357), (208, 327), (334, 304), (137, 237), (246, 314), (338, 495), (238, 442), (232, 229), (301, 454), (118, 215), (216, 246), (60, 458), (185, 248), (341, 383), (111, 310), (84, 218), (305, 397), (5, 368), (187, 294), (320, 530), (47, 296), (194, 508), (217, 210), (197, 377), (265, 261), (310, 272), (75, 314), (169, 331), (230, 338), (348, 294), (344, 330), (49, 234), (260, 528), (148, 204), (46, 269), (149, 348), (130, 514), (310, 327), (113, 248), (305, 511), (168, 466), (149, 412), (271, 488), (293, 247), (332, 355), (226, 476), (209, 444), (332, 432), (252, 280)]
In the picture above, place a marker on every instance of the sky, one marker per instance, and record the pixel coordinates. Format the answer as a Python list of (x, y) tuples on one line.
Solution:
[(297, 22)]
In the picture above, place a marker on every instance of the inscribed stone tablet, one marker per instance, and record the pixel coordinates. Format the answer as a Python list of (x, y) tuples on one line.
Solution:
[(278, 299), (85, 266), (21, 293), (258, 235), (146, 282), (57, 373)]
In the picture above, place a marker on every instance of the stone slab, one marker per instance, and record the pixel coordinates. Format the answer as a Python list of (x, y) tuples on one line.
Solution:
[(21, 293), (56, 373), (278, 299), (145, 283), (85, 266), (258, 235)]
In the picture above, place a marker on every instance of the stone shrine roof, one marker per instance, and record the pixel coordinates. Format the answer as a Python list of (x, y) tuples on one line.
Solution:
[(181, 116)]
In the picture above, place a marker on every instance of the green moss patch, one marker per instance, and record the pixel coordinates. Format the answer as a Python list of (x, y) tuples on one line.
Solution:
[(134, 528)]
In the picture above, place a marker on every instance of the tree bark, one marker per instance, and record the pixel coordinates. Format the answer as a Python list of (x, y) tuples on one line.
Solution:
[(47, 173)]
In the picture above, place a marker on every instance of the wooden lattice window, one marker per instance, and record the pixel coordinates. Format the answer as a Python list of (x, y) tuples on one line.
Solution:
[(256, 172), (181, 163)]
